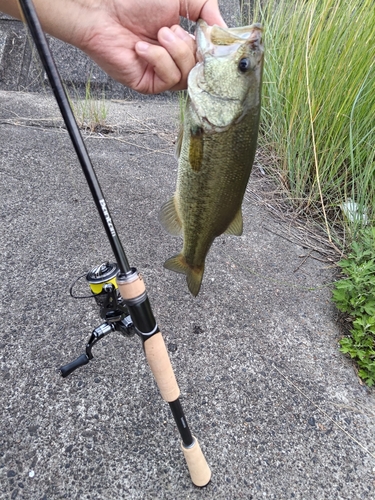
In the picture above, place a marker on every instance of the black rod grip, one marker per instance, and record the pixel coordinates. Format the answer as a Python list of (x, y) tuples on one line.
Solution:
[(70, 367)]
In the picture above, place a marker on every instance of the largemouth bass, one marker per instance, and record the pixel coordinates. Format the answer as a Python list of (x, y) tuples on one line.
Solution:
[(217, 146)]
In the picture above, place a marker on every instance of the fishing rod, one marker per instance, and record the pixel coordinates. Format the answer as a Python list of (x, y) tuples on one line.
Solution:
[(118, 288)]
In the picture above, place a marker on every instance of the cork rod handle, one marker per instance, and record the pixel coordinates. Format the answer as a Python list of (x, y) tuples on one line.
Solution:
[(200, 472), (160, 364)]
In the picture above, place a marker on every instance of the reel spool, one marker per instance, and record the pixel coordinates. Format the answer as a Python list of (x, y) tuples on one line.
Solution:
[(99, 278)]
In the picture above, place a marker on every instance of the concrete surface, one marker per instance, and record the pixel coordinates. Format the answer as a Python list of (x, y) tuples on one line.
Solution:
[(279, 412), (20, 68)]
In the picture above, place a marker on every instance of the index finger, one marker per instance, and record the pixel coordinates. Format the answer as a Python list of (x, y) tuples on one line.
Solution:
[(208, 10)]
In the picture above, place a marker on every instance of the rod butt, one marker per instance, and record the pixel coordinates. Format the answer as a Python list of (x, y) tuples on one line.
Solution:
[(200, 472)]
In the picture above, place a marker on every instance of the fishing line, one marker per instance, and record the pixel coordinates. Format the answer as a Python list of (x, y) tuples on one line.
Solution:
[(32, 21), (79, 296)]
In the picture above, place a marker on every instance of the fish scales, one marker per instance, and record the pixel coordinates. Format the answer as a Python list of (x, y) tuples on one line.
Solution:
[(217, 147), (209, 208)]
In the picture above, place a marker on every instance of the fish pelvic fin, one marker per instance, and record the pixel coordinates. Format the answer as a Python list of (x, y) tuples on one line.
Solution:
[(169, 218), (236, 226), (194, 274)]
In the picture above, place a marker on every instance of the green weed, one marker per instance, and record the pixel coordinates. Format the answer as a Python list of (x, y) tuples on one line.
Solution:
[(318, 121), (182, 100), (355, 296)]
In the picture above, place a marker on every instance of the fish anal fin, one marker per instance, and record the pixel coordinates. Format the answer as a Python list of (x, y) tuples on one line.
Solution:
[(196, 148), (169, 218), (236, 226), (194, 280), (194, 274)]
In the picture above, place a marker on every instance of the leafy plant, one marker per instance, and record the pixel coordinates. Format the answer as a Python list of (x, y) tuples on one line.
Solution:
[(355, 295)]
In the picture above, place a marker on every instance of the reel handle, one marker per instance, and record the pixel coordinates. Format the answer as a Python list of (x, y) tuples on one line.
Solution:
[(73, 365)]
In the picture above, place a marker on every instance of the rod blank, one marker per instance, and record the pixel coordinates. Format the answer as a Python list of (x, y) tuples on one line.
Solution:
[(32, 21)]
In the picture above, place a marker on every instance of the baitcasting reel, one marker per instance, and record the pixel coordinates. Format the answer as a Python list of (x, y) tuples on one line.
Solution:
[(102, 282)]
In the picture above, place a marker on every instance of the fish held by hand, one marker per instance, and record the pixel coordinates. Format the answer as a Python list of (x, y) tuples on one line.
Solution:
[(216, 147)]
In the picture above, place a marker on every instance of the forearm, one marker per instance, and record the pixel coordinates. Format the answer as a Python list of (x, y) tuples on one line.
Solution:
[(57, 17)]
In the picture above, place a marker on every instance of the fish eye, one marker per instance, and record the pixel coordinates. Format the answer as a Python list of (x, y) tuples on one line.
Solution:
[(244, 65)]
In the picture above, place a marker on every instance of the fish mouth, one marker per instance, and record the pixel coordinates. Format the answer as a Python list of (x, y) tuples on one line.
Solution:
[(221, 42)]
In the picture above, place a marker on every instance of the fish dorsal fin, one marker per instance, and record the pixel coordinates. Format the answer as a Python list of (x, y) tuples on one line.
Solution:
[(196, 148), (169, 218), (236, 226)]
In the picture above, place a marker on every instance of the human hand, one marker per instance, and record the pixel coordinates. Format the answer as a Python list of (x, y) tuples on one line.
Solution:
[(137, 42), (140, 44)]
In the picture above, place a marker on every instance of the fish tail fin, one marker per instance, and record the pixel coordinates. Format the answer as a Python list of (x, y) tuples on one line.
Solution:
[(194, 274)]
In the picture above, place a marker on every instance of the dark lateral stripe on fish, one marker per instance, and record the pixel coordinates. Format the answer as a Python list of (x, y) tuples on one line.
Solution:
[(196, 150)]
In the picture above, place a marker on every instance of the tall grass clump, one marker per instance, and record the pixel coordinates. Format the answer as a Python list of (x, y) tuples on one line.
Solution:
[(318, 113)]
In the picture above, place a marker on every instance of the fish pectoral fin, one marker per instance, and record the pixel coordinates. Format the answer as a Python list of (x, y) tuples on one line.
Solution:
[(236, 226), (196, 148), (194, 274), (169, 218), (179, 142)]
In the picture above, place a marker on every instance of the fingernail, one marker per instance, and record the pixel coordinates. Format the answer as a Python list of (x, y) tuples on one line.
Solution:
[(180, 32), (142, 46), (168, 35)]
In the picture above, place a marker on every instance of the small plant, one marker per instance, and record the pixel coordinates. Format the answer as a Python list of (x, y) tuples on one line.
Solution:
[(92, 111), (182, 100), (355, 295)]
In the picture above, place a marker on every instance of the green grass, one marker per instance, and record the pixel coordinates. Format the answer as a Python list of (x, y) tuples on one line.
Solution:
[(90, 112), (318, 121), (319, 106)]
